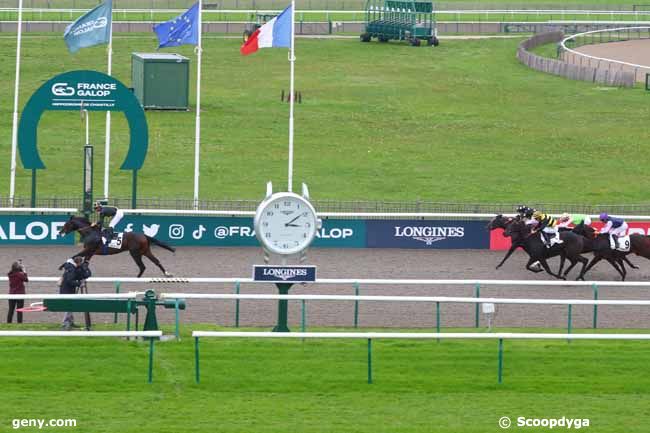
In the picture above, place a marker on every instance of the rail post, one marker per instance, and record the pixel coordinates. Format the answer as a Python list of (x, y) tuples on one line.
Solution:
[(500, 373), (477, 294), (356, 305), (196, 359), (370, 361), (595, 324), (303, 316), (117, 290), (237, 305), (569, 321), (150, 376), (177, 320), (438, 319)]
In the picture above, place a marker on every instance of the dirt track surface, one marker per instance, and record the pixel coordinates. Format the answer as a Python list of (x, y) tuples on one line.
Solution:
[(350, 263), (636, 52)]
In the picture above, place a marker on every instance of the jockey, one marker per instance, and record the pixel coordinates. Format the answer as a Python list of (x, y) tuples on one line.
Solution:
[(567, 220), (526, 213), (105, 212), (548, 225), (614, 226)]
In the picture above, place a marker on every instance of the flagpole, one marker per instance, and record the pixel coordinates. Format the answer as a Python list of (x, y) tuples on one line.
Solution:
[(14, 130), (107, 148), (292, 60), (197, 125)]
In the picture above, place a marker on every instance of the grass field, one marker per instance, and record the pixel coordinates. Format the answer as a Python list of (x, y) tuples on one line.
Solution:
[(320, 386), (461, 122)]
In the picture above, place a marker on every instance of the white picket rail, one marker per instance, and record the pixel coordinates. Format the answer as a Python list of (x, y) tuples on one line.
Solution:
[(38, 210), (420, 335), (359, 281), (129, 295), (441, 299), (147, 334)]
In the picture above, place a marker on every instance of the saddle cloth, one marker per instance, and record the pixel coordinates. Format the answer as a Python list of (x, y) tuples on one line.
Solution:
[(115, 241), (554, 240), (623, 243)]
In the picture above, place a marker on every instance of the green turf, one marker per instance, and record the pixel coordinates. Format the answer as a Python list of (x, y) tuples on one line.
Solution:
[(320, 385), (461, 122)]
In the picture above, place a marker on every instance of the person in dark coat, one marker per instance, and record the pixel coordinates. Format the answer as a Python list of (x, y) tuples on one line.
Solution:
[(74, 272), (17, 279)]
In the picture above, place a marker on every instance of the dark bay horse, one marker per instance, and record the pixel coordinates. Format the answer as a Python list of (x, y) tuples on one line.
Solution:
[(137, 244), (639, 245), (520, 234)]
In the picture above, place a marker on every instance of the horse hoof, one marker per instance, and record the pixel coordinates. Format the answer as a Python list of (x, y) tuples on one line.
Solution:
[(168, 275)]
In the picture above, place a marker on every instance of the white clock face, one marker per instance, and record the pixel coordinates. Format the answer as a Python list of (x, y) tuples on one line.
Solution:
[(285, 223)]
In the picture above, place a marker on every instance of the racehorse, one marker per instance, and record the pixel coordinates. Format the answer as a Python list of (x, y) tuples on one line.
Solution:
[(639, 245), (137, 244)]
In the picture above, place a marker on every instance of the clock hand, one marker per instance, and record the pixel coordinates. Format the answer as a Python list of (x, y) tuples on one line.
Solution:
[(289, 224)]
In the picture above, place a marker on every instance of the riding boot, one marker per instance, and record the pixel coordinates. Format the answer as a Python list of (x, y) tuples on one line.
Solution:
[(615, 239)]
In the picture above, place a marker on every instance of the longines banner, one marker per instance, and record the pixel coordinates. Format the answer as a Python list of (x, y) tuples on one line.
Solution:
[(427, 234)]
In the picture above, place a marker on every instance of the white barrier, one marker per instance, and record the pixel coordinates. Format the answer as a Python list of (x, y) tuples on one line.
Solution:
[(441, 299), (369, 336), (127, 334), (129, 295), (359, 281)]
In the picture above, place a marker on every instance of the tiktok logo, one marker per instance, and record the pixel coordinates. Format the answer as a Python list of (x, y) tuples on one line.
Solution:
[(198, 233)]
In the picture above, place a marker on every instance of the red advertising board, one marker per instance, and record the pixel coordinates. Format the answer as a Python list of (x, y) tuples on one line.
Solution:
[(500, 242)]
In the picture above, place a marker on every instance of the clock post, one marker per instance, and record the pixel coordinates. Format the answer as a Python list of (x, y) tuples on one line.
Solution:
[(283, 308), (285, 224)]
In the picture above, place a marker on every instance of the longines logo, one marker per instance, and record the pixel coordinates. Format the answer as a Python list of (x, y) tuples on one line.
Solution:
[(429, 234), (284, 273)]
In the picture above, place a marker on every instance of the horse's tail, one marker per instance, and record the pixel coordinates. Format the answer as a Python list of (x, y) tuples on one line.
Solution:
[(160, 243)]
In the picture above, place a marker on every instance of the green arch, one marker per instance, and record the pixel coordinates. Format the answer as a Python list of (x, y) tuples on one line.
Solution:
[(98, 92)]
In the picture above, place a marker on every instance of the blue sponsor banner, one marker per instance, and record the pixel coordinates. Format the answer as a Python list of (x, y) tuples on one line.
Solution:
[(284, 274), (234, 231), (33, 230), (429, 234)]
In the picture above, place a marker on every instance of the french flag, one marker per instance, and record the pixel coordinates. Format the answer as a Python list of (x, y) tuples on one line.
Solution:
[(275, 33)]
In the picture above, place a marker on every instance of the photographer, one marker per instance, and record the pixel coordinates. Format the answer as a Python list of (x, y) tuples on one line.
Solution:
[(74, 272), (17, 279)]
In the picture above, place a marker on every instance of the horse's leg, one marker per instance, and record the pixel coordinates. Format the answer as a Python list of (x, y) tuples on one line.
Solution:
[(584, 262), (507, 256), (529, 266), (542, 262), (595, 260), (562, 259), (153, 258), (619, 266), (632, 265), (137, 258), (573, 263)]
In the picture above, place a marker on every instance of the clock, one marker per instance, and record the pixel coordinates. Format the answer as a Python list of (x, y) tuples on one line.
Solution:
[(286, 223)]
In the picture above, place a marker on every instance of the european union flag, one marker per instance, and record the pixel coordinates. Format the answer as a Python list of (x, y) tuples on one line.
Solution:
[(183, 29)]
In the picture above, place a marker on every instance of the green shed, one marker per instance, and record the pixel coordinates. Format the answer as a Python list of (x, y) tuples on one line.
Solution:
[(161, 81)]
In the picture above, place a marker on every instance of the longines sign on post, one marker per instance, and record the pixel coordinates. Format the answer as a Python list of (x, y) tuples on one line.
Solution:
[(284, 274)]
